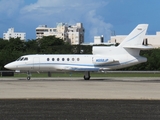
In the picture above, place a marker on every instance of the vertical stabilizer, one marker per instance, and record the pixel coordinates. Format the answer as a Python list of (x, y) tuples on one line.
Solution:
[(135, 38), (132, 44)]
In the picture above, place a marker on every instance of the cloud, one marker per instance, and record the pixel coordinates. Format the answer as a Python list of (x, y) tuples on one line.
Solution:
[(97, 26), (69, 11), (61, 5), (9, 7)]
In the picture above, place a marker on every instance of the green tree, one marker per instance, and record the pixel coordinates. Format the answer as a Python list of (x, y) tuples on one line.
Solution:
[(3, 43), (31, 47), (15, 44), (46, 44)]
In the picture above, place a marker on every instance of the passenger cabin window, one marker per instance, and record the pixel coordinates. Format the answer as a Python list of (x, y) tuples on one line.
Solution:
[(47, 59), (57, 59), (77, 59), (67, 59), (52, 59), (72, 59), (62, 59)]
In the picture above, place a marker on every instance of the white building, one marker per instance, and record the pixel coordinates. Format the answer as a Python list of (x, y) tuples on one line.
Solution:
[(73, 34), (11, 34), (154, 40), (98, 39)]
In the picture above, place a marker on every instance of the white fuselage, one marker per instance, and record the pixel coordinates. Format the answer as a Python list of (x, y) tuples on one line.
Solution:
[(102, 58), (73, 62)]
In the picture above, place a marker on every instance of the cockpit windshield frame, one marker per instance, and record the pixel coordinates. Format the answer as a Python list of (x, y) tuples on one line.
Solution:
[(18, 59), (22, 59)]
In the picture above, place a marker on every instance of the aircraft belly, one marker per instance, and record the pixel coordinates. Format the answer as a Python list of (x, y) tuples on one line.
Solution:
[(74, 68), (45, 67), (84, 68)]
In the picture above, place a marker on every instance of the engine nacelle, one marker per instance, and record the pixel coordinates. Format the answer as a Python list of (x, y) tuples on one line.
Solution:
[(102, 60)]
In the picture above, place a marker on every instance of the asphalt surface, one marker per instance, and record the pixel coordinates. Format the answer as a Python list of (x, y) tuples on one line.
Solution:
[(76, 99), (76, 109), (77, 88)]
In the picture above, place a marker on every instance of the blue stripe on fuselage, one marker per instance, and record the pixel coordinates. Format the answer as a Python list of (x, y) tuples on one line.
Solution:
[(82, 65)]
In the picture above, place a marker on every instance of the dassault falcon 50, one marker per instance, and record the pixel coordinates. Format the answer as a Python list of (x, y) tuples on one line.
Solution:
[(102, 58)]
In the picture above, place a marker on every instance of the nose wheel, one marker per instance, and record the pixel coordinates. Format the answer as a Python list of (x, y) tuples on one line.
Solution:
[(28, 75)]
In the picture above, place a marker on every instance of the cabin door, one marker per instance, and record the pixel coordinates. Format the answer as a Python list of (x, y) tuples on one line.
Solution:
[(36, 64)]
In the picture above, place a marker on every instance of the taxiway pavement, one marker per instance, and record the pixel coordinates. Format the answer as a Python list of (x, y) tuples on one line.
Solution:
[(140, 88)]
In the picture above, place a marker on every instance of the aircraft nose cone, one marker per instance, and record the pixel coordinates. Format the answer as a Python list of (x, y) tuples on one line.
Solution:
[(9, 66), (6, 66)]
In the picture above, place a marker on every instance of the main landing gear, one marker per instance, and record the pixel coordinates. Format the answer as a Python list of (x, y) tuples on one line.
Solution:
[(28, 75), (87, 75)]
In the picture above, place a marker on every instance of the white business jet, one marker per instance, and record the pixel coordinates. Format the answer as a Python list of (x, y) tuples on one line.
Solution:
[(103, 58)]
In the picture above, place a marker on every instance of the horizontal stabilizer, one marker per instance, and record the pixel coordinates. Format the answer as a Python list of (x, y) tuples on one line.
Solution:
[(140, 47)]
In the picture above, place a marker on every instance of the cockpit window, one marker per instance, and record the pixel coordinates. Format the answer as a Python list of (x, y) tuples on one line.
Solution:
[(26, 58), (21, 58), (18, 59)]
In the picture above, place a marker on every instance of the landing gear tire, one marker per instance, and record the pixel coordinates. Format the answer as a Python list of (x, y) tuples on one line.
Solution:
[(87, 75), (86, 78), (28, 78), (28, 75)]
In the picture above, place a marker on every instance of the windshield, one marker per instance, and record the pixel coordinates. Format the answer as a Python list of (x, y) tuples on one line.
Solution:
[(18, 59), (22, 59)]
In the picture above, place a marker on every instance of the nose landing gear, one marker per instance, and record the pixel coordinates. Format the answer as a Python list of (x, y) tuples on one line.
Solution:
[(28, 75)]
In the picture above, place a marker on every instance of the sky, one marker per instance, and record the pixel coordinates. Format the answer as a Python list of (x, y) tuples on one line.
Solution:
[(99, 17)]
